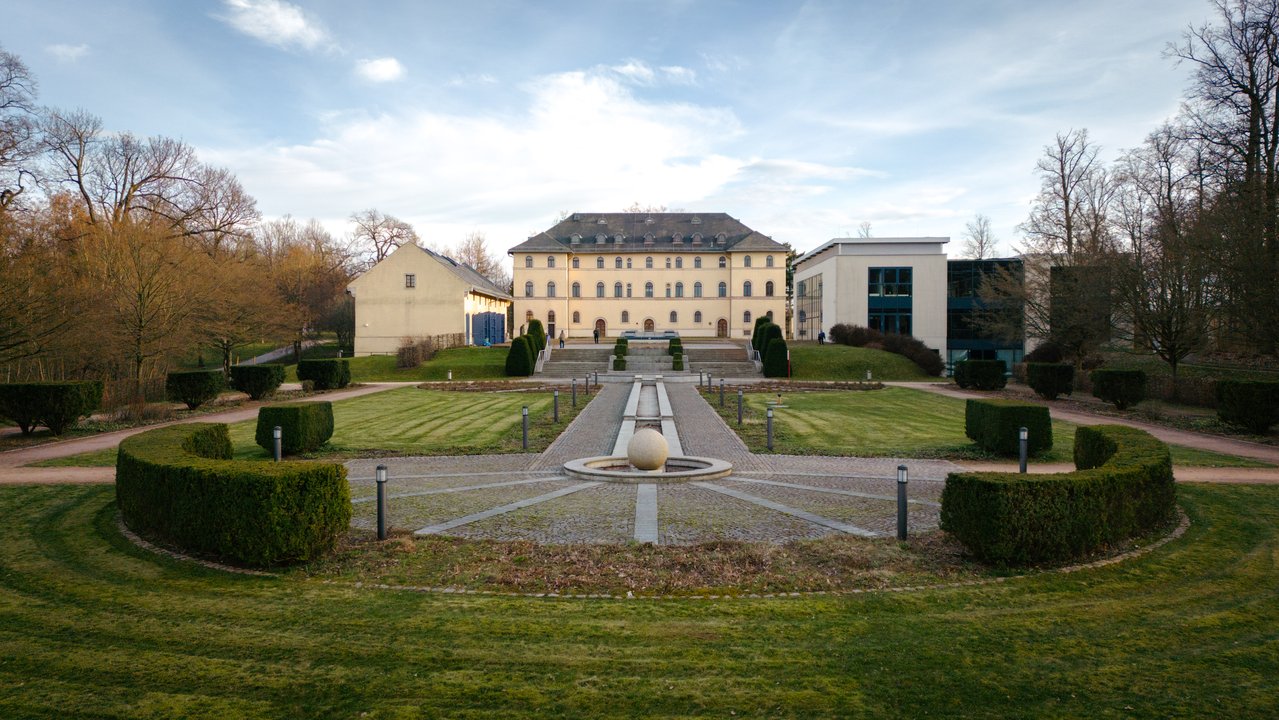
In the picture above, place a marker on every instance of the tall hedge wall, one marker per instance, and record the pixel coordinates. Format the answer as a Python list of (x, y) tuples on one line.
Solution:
[(177, 484), (996, 425), (55, 405), (1251, 404), (1122, 488), (326, 374), (304, 426), (980, 374)]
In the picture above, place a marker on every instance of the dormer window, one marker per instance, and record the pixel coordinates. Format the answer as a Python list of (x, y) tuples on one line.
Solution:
[(697, 238), (677, 239), (618, 238), (599, 239), (696, 220), (648, 239), (720, 239), (649, 221), (575, 239), (601, 221)]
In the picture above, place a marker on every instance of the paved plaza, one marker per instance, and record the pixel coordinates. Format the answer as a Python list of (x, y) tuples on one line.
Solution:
[(768, 498)]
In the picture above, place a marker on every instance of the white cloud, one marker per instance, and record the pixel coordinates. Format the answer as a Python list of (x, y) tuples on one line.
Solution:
[(275, 22), (380, 70), (68, 53), (471, 80), (679, 75), (635, 71)]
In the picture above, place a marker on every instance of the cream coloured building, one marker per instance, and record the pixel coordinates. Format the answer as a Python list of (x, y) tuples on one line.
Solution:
[(699, 274), (416, 293), (894, 285)]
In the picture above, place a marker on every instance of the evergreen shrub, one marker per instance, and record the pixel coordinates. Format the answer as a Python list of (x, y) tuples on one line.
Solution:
[(619, 362), (1122, 488), (327, 374), (1045, 352), (675, 347), (768, 333), (916, 351), (775, 363), (304, 426), (258, 381), (537, 334), (194, 387), (1050, 379), (177, 484), (1251, 404), (55, 405), (519, 362), (980, 374), (995, 426), (1122, 388), (677, 363)]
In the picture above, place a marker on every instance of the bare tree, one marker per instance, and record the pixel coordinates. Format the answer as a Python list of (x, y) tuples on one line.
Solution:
[(18, 127), (382, 232), (474, 251), (863, 230), (980, 241), (636, 207), (1068, 218)]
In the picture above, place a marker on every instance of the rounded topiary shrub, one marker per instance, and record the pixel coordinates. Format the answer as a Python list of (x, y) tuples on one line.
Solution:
[(1121, 388), (1045, 352), (677, 362), (327, 374), (195, 387), (776, 363), (1049, 380), (304, 426), (767, 334), (1250, 404), (980, 374), (619, 363), (537, 334), (55, 405), (258, 381), (519, 362)]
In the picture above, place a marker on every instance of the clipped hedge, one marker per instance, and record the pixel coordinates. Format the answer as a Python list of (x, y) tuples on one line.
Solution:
[(677, 363), (980, 374), (258, 381), (519, 362), (675, 347), (621, 347), (193, 387), (1049, 380), (768, 333), (1122, 388), (995, 425), (537, 336), (619, 363), (178, 484), (1122, 488), (775, 360), (55, 405), (1251, 404), (327, 374), (304, 426)]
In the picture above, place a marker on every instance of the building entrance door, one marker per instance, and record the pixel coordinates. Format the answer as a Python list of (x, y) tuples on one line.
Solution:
[(648, 325), (721, 328), (599, 327)]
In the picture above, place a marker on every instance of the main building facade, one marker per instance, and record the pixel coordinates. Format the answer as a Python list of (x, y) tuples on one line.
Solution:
[(699, 274)]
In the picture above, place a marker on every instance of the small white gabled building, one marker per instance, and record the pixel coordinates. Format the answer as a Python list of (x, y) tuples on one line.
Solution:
[(894, 285), (416, 293)]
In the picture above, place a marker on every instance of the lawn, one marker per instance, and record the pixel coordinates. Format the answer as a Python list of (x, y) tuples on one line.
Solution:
[(467, 363), (894, 422), (810, 361), (92, 626)]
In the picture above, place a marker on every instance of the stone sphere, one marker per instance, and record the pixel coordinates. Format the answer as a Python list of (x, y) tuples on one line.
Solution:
[(647, 449)]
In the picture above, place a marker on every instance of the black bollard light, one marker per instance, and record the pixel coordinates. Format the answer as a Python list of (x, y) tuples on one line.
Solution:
[(770, 428), (739, 406), (278, 435), (1023, 438), (721, 392), (574, 392), (557, 405), (524, 413), (381, 502), (901, 502)]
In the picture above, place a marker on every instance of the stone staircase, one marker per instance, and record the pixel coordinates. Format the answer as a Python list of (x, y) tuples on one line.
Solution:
[(725, 361), (577, 362), (644, 359)]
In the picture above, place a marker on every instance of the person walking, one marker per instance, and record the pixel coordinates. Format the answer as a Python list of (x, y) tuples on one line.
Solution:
[(561, 339), (596, 335), (821, 337)]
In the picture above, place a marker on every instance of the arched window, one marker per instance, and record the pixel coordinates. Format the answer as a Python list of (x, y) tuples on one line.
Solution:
[(550, 289), (617, 262), (648, 289), (723, 289), (577, 263), (768, 288), (599, 289), (679, 289), (628, 263), (668, 263), (528, 289), (697, 317), (628, 289), (746, 317), (577, 289), (617, 289), (746, 261), (674, 317), (668, 289), (723, 262), (648, 263), (626, 316), (577, 317), (679, 263), (528, 261), (550, 316), (697, 262), (803, 316), (746, 289), (599, 263), (697, 289), (550, 261), (768, 261)]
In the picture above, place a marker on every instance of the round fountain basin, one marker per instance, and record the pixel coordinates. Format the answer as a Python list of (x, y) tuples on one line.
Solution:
[(617, 469)]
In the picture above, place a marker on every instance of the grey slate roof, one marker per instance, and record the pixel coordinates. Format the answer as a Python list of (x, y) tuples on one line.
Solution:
[(470, 276), (646, 232)]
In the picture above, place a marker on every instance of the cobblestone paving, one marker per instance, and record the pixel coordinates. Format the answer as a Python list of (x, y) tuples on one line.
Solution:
[(857, 492)]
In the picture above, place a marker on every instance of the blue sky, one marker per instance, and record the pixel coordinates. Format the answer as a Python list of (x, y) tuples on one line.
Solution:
[(802, 119)]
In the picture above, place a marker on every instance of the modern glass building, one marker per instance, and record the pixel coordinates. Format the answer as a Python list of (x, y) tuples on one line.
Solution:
[(965, 340)]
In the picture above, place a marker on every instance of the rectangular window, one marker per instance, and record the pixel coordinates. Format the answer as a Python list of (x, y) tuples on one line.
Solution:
[(410, 280), (889, 301), (890, 282)]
